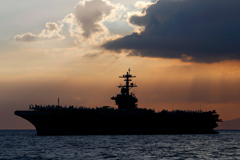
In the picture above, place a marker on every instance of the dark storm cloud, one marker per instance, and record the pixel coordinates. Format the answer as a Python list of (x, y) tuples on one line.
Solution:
[(192, 30)]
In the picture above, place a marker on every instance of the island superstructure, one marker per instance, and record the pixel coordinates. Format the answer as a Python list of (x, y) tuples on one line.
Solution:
[(126, 100), (126, 119)]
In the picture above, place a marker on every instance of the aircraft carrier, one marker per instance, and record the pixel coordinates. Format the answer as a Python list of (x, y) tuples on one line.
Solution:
[(126, 119)]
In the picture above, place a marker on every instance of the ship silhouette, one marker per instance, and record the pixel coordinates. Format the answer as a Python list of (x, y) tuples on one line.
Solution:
[(127, 119)]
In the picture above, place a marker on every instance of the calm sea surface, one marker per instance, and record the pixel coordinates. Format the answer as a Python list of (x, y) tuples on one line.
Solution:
[(25, 144)]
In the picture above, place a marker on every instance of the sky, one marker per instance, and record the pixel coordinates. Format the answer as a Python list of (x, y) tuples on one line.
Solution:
[(185, 54)]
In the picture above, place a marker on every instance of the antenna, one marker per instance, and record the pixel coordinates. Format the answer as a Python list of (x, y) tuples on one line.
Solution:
[(58, 101), (129, 70)]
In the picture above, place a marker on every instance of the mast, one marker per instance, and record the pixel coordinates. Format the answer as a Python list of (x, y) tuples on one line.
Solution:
[(127, 87)]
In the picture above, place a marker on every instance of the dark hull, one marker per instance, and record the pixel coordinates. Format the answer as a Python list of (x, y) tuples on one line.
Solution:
[(112, 122)]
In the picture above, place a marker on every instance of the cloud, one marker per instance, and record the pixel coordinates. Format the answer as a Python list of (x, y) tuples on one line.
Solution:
[(142, 4), (51, 26), (86, 26), (92, 54), (27, 37), (89, 15), (191, 30), (50, 33)]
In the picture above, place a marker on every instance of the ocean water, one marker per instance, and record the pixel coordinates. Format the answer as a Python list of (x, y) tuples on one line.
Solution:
[(25, 144)]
